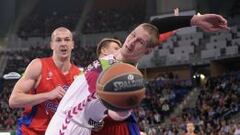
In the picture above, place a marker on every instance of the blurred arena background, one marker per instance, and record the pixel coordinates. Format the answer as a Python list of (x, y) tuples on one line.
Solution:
[(194, 76)]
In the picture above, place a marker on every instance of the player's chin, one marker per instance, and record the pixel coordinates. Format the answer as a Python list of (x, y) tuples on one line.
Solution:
[(130, 58), (64, 56), (135, 58)]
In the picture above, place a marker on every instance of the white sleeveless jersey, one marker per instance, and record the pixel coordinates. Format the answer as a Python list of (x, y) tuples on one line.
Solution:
[(80, 110)]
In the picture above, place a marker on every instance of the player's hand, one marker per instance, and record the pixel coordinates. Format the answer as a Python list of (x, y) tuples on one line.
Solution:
[(210, 22), (58, 92), (176, 11), (119, 116)]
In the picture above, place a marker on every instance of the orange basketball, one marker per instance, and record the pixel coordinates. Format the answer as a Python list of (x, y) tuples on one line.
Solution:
[(121, 87)]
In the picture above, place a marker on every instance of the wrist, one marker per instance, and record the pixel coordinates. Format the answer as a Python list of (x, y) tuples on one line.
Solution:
[(194, 20), (45, 96)]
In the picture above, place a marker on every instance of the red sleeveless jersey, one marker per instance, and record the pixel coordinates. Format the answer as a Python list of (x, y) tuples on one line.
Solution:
[(35, 119), (112, 127)]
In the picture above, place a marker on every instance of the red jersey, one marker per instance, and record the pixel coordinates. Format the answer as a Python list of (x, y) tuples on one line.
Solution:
[(35, 119), (112, 127)]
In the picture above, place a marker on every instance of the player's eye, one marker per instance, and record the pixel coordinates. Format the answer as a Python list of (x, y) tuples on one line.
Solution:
[(67, 39), (58, 40)]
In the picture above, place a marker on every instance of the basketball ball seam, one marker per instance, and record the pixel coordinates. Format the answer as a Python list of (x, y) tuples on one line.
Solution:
[(127, 93), (121, 93)]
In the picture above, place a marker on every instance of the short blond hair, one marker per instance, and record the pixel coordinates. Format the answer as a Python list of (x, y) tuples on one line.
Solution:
[(153, 32)]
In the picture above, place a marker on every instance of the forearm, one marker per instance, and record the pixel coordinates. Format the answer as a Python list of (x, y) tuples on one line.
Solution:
[(22, 99), (171, 23), (119, 116)]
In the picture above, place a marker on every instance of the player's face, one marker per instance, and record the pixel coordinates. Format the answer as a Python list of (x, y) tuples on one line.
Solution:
[(190, 127), (112, 48), (62, 43), (136, 45)]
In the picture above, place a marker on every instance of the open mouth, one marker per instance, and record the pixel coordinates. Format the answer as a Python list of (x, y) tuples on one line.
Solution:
[(63, 50)]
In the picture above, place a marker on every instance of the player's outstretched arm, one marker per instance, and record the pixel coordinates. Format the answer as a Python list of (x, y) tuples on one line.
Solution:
[(210, 22), (207, 22)]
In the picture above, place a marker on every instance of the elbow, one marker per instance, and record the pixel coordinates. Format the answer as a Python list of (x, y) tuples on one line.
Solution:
[(12, 102)]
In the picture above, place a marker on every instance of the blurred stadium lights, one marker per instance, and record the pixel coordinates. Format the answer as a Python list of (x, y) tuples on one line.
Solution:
[(5, 133), (11, 76)]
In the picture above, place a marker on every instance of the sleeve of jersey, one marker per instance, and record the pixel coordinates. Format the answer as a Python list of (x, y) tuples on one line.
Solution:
[(165, 36), (97, 67), (171, 23), (91, 78)]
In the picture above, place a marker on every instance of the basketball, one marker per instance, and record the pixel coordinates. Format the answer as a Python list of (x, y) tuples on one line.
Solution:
[(121, 87)]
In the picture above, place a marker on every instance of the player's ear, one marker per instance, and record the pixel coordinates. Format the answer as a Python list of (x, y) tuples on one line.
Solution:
[(104, 51), (51, 45), (73, 45)]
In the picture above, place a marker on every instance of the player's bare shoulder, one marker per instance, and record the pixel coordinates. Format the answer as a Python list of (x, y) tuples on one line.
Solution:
[(33, 69)]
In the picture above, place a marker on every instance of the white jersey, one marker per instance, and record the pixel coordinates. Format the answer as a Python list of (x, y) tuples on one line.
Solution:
[(80, 110)]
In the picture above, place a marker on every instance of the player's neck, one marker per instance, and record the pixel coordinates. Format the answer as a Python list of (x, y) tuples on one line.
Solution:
[(63, 64), (119, 57)]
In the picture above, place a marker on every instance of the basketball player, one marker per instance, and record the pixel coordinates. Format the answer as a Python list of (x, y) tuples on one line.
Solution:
[(190, 129), (43, 84), (111, 124), (80, 110)]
